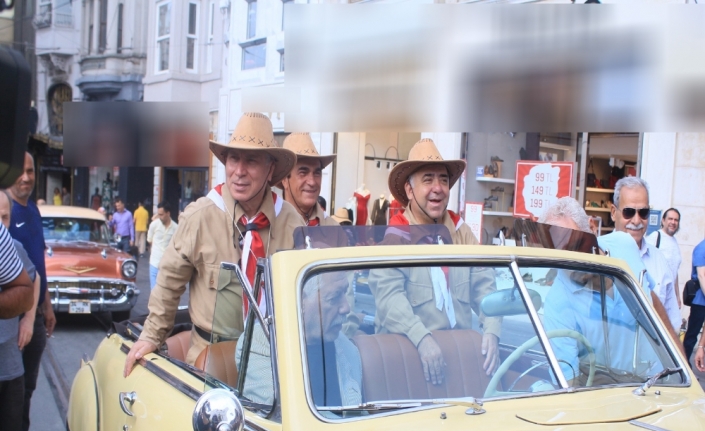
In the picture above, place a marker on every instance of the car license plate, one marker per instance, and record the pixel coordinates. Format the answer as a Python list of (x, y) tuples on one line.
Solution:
[(80, 307)]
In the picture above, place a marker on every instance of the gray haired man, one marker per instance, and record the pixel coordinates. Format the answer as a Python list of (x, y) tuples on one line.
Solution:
[(630, 211)]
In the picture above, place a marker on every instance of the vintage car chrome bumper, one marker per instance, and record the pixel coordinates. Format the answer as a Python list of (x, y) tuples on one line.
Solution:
[(104, 294)]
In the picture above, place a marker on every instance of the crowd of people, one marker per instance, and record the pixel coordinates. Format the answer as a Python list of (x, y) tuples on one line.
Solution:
[(243, 219)]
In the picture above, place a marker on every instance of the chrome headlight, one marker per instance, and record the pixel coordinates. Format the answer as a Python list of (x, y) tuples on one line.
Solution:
[(129, 269)]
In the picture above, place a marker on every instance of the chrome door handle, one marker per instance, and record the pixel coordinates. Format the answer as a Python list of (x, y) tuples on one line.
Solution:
[(126, 401)]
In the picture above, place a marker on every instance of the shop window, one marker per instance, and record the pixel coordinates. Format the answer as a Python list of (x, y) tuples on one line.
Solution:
[(163, 34)]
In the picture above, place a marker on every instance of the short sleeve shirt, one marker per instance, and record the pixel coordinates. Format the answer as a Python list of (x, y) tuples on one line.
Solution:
[(27, 228), (670, 250), (10, 268), (698, 260)]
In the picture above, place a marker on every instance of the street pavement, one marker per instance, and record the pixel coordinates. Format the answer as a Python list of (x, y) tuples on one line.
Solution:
[(78, 336), (75, 336)]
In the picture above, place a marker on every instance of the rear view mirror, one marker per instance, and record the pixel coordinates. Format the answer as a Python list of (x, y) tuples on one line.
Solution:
[(508, 302)]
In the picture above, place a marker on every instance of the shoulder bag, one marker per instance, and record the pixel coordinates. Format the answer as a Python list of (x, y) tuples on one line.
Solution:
[(689, 291)]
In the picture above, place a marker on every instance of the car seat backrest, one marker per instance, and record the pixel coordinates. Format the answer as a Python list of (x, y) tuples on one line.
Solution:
[(392, 370)]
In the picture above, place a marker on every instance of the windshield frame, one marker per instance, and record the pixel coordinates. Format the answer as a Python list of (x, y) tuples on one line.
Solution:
[(345, 264)]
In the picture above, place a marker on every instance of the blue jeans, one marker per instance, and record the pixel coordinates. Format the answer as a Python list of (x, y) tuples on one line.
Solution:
[(695, 324), (153, 271)]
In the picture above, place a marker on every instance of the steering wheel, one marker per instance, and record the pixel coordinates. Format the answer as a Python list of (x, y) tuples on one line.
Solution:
[(556, 333)]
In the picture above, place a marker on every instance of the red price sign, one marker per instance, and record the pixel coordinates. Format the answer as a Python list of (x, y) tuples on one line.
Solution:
[(539, 185), (473, 218)]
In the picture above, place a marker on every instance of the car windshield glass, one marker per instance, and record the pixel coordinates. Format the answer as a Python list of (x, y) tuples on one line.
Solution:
[(417, 332), (75, 229)]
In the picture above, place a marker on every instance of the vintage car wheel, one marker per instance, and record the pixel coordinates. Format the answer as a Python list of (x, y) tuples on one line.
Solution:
[(120, 316), (502, 370)]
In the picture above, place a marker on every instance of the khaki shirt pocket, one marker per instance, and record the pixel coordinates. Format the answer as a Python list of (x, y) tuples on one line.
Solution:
[(227, 319), (419, 294)]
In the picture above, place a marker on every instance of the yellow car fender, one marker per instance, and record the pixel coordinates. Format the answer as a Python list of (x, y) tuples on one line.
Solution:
[(83, 402)]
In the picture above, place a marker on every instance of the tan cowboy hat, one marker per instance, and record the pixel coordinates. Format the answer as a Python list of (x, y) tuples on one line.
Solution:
[(423, 153), (254, 133), (302, 145), (341, 215)]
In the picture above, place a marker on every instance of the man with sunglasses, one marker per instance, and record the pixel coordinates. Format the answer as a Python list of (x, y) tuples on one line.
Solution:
[(630, 211)]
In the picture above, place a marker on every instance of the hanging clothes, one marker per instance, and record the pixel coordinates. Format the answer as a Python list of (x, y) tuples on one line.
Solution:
[(361, 217), (379, 212)]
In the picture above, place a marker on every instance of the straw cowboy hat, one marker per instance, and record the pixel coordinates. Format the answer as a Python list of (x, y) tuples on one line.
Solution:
[(254, 133), (302, 145), (423, 153), (341, 215)]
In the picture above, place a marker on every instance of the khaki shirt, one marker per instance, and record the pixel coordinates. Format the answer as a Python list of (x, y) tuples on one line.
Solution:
[(405, 299), (203, 240)]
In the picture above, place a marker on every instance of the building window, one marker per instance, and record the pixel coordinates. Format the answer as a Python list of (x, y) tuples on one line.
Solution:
[(119, 27), (91, 14), (211, 30), (281, 61), (43, 18), (284, 2), (192, 37), (251, 19), (254, 54), (163, 33), (63, 16), (58, 94), (103, 29)]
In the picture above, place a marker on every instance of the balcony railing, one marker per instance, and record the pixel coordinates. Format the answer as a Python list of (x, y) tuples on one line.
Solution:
[(63, 19)]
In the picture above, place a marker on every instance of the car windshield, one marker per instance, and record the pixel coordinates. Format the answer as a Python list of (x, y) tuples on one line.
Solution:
[(394, 332), (419, 333), (75, 229)]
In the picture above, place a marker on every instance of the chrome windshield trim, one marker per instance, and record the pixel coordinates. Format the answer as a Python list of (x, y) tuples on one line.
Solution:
[(644, 425), (271, 323), (538, 326)]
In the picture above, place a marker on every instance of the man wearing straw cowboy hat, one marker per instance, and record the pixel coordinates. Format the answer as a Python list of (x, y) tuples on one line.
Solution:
[(303, 184), (238, 221), (416, 301)]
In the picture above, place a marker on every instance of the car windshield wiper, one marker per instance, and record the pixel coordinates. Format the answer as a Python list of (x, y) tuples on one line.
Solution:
[(641, 390), (474, 405)]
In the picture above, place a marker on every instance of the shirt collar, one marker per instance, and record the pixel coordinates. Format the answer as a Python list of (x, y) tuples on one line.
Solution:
[(267, 206), (644, 247)]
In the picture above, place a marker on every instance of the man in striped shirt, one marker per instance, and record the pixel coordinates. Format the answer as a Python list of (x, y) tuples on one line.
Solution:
[(16, 297)]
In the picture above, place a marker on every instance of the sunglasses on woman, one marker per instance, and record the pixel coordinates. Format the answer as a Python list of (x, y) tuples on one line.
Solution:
[(629, 213)]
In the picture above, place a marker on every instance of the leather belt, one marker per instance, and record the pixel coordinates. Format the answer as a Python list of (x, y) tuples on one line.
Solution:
[(211, 337)]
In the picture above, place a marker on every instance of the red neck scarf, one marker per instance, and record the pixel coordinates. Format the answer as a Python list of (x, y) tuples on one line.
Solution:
[(252, 249)]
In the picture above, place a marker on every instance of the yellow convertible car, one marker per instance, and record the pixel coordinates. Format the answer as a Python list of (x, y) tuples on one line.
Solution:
[(409, 333)]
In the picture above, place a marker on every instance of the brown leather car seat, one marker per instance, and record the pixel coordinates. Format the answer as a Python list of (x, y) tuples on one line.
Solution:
[(392, 370), (178, 345), (218, 360)]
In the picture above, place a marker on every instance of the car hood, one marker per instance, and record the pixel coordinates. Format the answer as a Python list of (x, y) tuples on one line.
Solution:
[(609, 409), (83, 259)]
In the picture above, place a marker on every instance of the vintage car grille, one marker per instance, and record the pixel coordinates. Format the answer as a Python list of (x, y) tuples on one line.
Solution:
[(86, 289)]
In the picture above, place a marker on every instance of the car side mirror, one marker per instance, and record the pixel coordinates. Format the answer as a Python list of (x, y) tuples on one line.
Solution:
[(218, 410), (508, 302)]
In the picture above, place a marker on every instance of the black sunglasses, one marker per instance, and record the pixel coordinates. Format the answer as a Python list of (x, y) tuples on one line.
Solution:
[(629, 213)]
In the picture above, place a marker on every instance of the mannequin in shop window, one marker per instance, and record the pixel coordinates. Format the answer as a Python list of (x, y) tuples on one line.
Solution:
[(351, 207), (363, 197), (395, 207), (379, 211)]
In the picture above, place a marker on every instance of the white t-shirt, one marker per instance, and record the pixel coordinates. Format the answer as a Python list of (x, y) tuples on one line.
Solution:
[(670, 250), (159, 236)]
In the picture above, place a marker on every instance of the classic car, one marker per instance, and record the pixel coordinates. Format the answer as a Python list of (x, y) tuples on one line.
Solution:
[(85, 272), (579, 344)]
